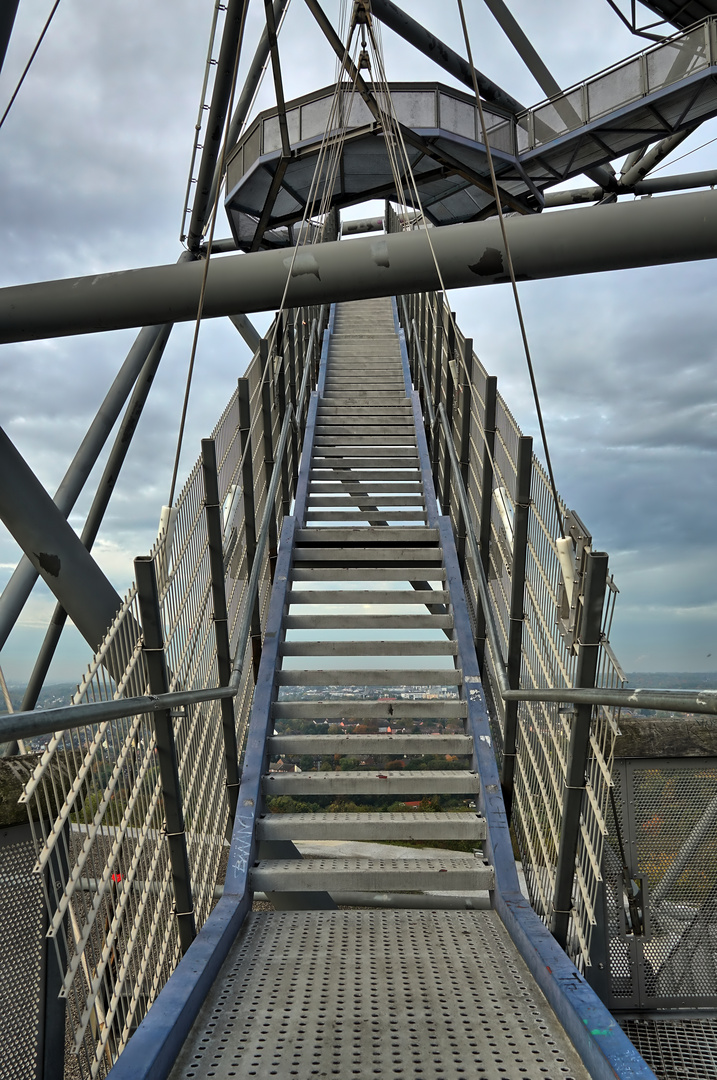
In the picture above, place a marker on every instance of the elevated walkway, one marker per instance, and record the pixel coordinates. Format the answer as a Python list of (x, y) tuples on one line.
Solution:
[(667, 88), (368, 623)]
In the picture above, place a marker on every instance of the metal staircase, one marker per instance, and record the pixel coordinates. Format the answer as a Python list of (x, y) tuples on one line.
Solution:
[(351, 556), (405, 993)]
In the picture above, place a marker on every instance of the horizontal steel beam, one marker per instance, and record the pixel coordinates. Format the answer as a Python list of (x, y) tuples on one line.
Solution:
[(29, 725), (653, 185), (648, 232)]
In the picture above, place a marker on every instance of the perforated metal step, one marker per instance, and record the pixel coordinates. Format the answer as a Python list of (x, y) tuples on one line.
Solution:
[(360, 995)]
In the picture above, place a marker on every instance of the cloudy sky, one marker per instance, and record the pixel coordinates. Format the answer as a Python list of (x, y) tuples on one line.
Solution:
[(93, 165)]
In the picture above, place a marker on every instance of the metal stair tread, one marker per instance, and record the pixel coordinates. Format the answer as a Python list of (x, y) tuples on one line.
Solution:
[(395, 709), (387, 745), (410, 825), (277, 875)]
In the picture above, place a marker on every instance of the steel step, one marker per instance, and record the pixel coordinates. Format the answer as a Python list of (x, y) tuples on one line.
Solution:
[(368, 573), (372, 826), (369, 596), (317, 875), (393, 745), (348, 536), (362, 475), (364, 501), (358, 462), (372, 517), (357, 486), (360, 709), (400, 782), (369, 648), (369, 622), (388, 677)]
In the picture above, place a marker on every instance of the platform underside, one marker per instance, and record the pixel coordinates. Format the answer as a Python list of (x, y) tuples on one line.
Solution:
[(423, 995)]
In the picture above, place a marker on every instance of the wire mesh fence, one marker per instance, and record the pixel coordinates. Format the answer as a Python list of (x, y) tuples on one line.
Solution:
[(488, 444), (99, 819)]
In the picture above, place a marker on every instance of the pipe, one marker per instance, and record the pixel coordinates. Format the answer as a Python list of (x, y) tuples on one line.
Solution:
[(645, 232), (432, 47)]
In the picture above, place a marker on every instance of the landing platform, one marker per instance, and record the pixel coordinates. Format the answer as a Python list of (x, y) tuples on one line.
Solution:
[(411, 995)]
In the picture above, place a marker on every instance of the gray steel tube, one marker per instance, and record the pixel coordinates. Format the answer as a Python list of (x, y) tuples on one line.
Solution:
[(54, 548), (8, 11), (432, 47), (677, 228), (653, 185), (226, 63), (22, 581), (246, 97)]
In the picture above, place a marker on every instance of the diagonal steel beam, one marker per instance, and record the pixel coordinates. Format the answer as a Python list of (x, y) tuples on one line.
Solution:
[(54, 548), (409, 136), (601, 174), (226, 63), (402, 24)]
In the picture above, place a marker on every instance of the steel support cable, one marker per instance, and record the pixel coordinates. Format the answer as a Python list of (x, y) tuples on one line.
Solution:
[(282, 305), (419, 203), (202, 291), (28, 65), (218, 6), (511, 271)]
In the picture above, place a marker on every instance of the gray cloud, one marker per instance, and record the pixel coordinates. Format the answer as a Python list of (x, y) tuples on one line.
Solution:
[(93, 171)]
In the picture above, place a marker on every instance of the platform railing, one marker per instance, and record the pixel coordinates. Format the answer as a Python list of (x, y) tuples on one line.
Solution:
[(499, 500), (142, 851)]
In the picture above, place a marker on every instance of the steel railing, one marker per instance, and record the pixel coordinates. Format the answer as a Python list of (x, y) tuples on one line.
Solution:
[(477, 449), (114, 914)]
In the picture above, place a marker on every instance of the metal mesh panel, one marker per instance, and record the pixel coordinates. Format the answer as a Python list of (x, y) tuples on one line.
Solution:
[(21, 941), (676, 1049), (548, 657), (667, 815), (115, 912)]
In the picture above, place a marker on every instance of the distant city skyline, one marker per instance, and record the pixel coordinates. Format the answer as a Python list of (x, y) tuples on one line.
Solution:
[(94, 160)]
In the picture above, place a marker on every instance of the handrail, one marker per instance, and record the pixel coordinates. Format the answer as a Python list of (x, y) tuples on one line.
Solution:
[(27, 725)]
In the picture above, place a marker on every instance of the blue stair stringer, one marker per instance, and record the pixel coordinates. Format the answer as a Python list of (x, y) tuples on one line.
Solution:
[(602, 1045)]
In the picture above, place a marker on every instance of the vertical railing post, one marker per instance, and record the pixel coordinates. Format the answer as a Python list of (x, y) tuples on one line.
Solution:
[(215, 530), (247, 483), (464, 450), (516, 615), (486, 504), (153, 649), (450, 397), (292, 362), (437, 391), (268, 434), (585, 673)]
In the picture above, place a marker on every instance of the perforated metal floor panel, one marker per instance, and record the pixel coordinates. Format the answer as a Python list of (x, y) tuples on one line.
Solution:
[(406, 995), (676, 1049)]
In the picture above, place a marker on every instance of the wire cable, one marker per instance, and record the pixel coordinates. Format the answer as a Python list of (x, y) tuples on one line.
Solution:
[(203, 289), (28, 65), (511, 271)]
